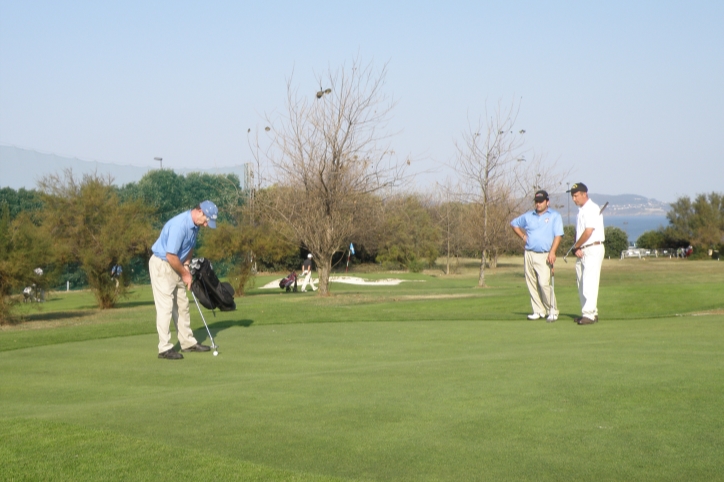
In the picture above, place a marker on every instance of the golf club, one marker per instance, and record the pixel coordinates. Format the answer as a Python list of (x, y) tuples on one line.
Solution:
[(569, 251), (213, 345), (552, 299)]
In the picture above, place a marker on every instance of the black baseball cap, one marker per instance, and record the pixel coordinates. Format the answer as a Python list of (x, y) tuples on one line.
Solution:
[(578, 187), (541, 196)]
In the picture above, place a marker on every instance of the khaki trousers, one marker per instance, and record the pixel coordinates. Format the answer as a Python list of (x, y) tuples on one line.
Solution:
[(538, 279), (588, 276), (169, 295)]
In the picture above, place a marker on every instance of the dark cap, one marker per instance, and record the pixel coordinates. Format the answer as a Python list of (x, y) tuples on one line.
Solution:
[(578, 187), (541, 196)]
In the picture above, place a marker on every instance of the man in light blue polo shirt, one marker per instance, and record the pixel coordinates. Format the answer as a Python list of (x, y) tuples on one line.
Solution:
[(170, 277), (542, 230)]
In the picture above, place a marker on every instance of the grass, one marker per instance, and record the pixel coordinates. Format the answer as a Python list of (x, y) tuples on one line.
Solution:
[(429, 380)]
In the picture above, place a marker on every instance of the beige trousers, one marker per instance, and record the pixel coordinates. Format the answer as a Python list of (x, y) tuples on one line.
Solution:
[(169, 294), (538, 279)]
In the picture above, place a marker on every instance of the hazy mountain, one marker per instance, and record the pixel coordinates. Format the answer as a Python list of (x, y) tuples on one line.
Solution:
[(618, 204), (22, 168)]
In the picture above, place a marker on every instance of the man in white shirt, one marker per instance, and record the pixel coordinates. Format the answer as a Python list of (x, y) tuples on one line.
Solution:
[(589, 250)]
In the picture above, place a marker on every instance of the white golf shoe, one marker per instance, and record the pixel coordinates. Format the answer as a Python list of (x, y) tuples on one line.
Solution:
[(551, 318), (536, 316)]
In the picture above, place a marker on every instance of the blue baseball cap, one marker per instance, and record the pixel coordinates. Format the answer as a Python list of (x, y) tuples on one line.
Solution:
[(211, 211)]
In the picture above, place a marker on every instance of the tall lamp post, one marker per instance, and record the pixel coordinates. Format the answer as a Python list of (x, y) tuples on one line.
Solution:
[(160, 160), (569, 202)]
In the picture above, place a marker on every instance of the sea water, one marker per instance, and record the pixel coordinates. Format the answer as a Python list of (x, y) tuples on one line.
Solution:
[(635, 226)]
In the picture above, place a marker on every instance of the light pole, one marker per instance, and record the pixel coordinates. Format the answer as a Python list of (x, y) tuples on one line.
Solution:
[(160, 160), (568, 192)]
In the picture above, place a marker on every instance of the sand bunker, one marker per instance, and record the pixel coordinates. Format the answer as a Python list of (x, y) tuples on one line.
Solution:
[(352, 280)]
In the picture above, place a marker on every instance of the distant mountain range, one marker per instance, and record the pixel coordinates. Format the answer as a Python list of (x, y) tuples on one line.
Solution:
[(618, 204), (22, 168)]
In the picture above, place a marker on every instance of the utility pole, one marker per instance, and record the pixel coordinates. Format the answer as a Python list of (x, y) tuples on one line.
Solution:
[(159, 159), (568, 193)]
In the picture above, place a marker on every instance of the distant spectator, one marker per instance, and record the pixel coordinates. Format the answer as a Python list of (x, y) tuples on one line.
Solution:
[(307, 273), (116, 271)]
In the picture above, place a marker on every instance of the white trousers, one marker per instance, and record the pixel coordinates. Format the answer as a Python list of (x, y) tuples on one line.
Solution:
[(308, 279), (538, 279), (169, 295), (588, 275)]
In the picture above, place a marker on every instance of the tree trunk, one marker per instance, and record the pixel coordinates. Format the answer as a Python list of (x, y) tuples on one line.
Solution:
[(323, 269), (494, 259), (481, 277), (447, 265)]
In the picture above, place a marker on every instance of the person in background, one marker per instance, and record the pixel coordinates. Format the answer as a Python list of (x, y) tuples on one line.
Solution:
[(307, 273)]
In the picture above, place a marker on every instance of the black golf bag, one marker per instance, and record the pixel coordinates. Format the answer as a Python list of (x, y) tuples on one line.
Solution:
[(289, 281), (208, 289)]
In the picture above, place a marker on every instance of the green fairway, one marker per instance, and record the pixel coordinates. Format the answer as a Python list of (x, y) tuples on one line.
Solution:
[(432, 379)]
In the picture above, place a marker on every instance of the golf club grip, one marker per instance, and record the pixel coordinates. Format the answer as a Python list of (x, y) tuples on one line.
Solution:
[(603, 208)]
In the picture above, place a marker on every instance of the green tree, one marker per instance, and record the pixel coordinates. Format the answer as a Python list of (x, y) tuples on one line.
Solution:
[(162, 190), (250, 241), (675, 238), (569, 237), (22, 200), (652, 240), (169, 193), (616, 241), (23, 248), (410, 237), (700, 221), (90, 226)]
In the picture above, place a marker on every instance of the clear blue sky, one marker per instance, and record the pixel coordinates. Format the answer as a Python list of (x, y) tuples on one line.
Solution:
[(629, 94)]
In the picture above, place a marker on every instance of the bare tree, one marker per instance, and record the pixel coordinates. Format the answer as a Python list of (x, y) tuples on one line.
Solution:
[(329, 153), (495, 175), (448, 211)]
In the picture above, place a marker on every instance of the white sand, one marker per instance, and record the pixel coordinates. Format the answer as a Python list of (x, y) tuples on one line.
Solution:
[(353, 280)]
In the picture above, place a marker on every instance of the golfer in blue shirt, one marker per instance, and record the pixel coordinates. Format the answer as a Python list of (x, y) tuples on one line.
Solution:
[(542, 230), (170, 277)]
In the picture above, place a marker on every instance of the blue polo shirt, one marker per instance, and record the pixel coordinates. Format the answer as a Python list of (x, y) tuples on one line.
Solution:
[(540, 229), (178, 237)]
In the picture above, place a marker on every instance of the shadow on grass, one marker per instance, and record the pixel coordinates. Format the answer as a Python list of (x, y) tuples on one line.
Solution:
[(55, 315), (133, 304), (219, 326)]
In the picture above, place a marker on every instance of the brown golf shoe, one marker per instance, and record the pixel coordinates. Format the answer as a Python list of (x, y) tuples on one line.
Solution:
[(586, 321)]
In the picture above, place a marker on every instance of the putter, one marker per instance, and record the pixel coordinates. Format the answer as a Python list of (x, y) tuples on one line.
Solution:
[(213, 345), (569, 251), (554, 306)]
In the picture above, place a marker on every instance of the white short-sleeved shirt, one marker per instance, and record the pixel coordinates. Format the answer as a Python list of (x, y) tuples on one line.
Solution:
[(589, 216)]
